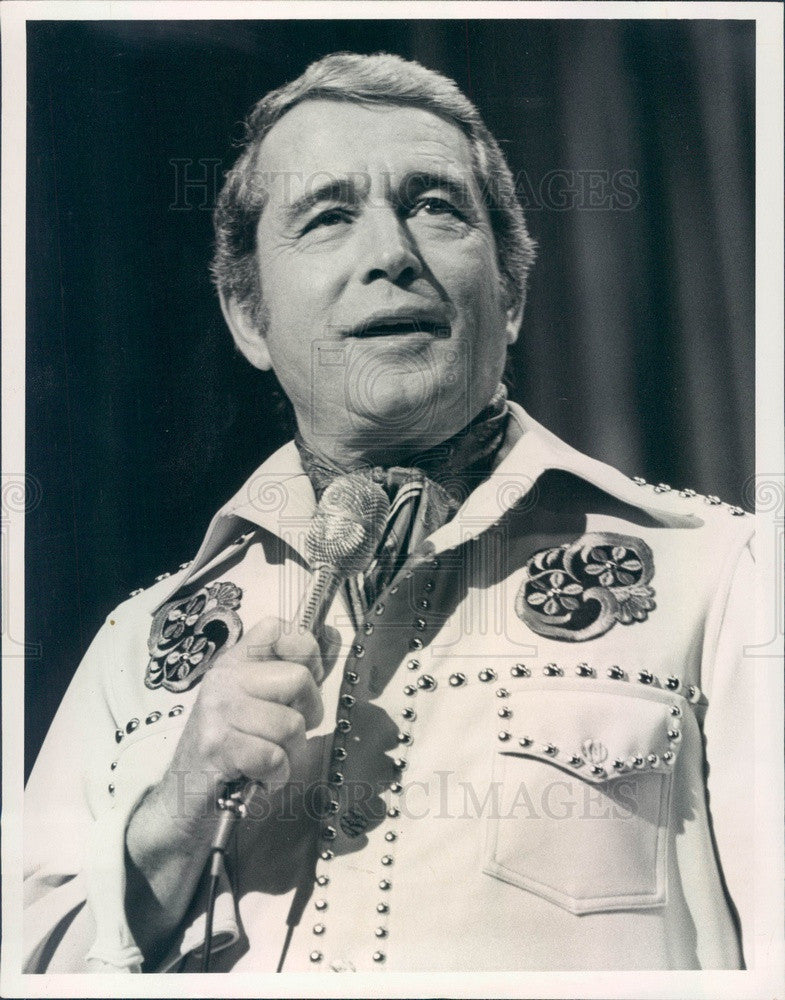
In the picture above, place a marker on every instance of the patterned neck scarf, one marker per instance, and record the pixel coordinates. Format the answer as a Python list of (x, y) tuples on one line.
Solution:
[(424, 494)]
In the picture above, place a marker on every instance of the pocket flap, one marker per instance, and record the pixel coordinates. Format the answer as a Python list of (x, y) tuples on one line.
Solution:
[(600, 732)]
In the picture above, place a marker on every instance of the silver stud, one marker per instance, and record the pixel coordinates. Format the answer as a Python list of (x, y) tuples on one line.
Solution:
[(408, 574), (435, 564), (343, 726), (520, 670), (645, 676), (575, 760), (393, 590), (693, 693), (672, 683), (415, 643), (487, 675), (653, 759), (409, 690), (336, 778), (175, 711), (687, 494), (674, 734), (111, 789), (615, 673), (320, 905), (137, 592), (328, 833), (405, 738), (737, 511), (378, 956), (550, 749), (396, 787), (380, 932), (426, 682), (504, 735), (327, 855), (619, 764), (113, 765), (584, 670), (714, 501), (662, 488), (162, 576), (389, 836), (351, 677), (668, 756), (347, 701), (524, 741), (639, 480), (185, 565), (502, 693), (637, 761), (332, 807), (552, 670), (413, 664), (379, 609), (318, 928), (597, 771), (504, 713), (457, 680), (425, 604), (151, 718), (385, 884), (409, 714), (420, 623), (399, 764), (428, 586), (315, 956), (339, 753), (368, 628), (322, 880), (675, 710), (358, 650), (132, 725), (118, 735), (387, 860), (382, 908), (393, 812)]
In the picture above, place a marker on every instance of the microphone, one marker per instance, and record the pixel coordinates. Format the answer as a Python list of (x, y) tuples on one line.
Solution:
[(341, 540)]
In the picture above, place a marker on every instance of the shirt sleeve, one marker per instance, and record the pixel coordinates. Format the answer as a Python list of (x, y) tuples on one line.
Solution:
[(731, 679)]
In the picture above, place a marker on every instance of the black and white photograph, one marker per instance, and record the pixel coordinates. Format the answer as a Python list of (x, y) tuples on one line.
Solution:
[(393, 499)]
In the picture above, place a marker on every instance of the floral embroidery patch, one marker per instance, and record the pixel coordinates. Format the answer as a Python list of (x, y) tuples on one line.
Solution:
[(188, 633), (579, 591)]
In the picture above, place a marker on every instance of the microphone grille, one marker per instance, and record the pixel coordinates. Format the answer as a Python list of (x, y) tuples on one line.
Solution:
[(348, 524)]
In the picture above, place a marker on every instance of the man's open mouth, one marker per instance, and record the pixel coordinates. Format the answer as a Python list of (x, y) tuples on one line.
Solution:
[(399, 326)]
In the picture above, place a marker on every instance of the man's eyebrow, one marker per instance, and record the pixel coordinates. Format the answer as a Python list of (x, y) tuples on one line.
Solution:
[(332, 189)]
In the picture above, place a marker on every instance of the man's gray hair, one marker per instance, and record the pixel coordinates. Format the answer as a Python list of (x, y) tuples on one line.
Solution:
[(375, 79)]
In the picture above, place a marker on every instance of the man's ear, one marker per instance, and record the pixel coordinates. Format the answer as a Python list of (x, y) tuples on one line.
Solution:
[(514, 313), (250, 342)]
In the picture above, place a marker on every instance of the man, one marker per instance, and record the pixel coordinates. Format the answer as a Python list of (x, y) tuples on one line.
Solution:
[(448, 781)]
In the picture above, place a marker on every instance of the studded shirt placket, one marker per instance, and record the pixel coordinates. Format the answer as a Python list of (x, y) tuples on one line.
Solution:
[(355, 680)]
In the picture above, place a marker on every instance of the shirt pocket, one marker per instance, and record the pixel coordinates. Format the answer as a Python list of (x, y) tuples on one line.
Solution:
[(582, 778)]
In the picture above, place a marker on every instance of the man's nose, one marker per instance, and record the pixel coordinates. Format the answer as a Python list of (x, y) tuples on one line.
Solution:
[(388, 248)]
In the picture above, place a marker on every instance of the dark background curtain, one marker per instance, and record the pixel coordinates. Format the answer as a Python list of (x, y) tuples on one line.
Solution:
[(633, 146)]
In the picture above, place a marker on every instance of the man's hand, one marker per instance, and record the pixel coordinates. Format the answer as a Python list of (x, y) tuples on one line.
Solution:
[(254, 708), (249, 720)]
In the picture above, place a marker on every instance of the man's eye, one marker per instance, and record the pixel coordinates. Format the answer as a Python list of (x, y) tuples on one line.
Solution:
[(329, 217), (436, 206)]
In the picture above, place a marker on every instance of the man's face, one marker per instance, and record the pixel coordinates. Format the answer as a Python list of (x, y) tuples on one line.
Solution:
[(386, 320)]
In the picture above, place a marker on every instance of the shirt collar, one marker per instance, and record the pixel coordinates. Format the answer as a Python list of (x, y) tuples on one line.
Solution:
[(279, 498)]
